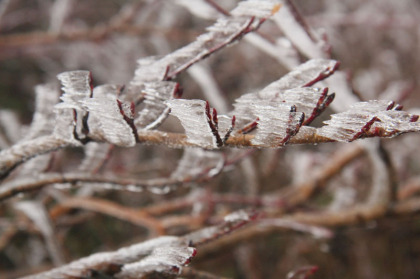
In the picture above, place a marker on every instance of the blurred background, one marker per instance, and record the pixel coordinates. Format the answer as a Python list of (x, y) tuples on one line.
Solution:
[(377, 43)]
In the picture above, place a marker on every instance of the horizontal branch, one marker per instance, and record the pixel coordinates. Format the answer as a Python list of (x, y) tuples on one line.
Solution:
[(17, 154), (28, 184)]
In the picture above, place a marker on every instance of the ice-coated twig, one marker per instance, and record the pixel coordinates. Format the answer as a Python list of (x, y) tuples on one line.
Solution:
[(277, 123), (20, 152), (77, 87), (201, 124), (304, 75), (111, 119), (305, 39), (154, 96), (156, 186), (231, 223), (70, 115), (245, 18), (289, 90), (136, 260), (377, 118), (316, 231)]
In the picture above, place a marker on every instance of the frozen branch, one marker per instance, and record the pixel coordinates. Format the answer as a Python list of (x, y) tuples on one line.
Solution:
[(163, 255), (28, 184)]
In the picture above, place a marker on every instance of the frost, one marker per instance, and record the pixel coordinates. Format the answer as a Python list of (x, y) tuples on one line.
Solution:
[(383, 118), (155, 95), (106, 119), (245, 18), (76, 87), (151, 251), (193, 118), (304, 75), (288, 90), (162, 260), (396, 122), (277, 122), (65, 125)]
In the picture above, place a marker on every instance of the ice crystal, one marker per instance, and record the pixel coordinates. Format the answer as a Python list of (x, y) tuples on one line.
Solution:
[(106, 119), (76, 87), (304, 75), (162, 260), (290, 90), (277, 122), (65, 124), (155, 95), (193, 118), (380, 117), (125, 256), (245, 18)]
